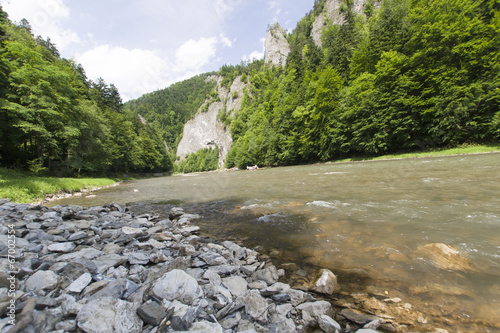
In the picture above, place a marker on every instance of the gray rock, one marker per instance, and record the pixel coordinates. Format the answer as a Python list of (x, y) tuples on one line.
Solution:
[(175, 212), (108, 315), (103, 263), (62, 247), (230, 321), (42, 280), (311, 311), (255, 305), (224, 269), (357, 316), (66, 325), (86, 253), (326, 283), (205, 327), (138, 258), (77, 236), (268, 274), (236, 285), (212, 258), (177, 285), (366, 330), (328, 325), (152, 313), (79, 284)]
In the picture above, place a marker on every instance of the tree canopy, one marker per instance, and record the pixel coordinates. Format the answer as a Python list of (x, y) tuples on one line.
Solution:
[(54, 119)]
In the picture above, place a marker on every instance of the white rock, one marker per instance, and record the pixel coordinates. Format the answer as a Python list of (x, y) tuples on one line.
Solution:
[(65, 247), (177, 285), (327, 283), (79, 284), (109, 315)]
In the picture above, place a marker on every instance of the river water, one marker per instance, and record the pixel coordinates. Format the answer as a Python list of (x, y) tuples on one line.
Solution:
[(368, 222)]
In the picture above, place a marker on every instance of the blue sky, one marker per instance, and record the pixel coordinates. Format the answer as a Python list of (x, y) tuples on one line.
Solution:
[(145, 45)]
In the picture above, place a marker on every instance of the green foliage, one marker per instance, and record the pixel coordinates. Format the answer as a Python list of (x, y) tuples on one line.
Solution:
[(412, 75), (54, 120), (203, 160), (170, 108)]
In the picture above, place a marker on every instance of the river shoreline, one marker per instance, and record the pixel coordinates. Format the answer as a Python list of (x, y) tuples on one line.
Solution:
[(73, 260), (70, 260)]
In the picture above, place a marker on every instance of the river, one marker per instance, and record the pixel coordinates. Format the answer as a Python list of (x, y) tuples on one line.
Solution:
[(368, 222)]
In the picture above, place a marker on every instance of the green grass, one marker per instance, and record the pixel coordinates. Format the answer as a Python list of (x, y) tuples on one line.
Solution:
[(461, 150), (23, 187)]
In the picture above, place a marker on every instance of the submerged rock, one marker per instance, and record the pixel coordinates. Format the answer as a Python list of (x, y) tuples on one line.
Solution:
[(444, 256)]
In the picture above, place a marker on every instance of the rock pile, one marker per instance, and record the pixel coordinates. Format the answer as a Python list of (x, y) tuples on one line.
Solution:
[(102, 269)]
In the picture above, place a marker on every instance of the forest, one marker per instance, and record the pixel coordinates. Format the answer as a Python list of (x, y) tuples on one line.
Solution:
[(53, 120), (410, 75)]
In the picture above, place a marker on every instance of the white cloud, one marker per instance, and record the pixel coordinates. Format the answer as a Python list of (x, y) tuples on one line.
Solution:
[(134, 72), (192, 55), (256, 55), (45, 17), (225, 7), (138, 71)]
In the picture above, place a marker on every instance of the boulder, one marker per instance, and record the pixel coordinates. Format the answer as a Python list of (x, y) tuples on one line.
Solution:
[(328, 325), (152, 313), (108, 315), (42, 280), (444, 256), (177, 285), (311, 311), (326, 283), (236, 285)]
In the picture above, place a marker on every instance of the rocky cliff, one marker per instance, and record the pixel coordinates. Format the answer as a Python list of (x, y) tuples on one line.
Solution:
[(333, 15), (205, 130), (276, 46)]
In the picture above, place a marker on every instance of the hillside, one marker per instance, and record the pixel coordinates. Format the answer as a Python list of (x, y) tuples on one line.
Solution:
[(367, 77), (54, 120)]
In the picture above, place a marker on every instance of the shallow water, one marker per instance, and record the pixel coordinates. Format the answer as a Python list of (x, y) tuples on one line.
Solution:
[(367, 222)]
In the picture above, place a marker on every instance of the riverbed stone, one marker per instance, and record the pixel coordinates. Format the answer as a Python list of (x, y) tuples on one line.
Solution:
[(311, 311), (151, 313), (80, 283), (326, 283), (177, 285), (236, 285), (268, 275), (62, 247), (328, 324), (108, 315), (255, 305), (42, 280)]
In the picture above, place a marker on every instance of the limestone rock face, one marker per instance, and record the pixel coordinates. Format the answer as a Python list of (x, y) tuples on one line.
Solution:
[(205, 129), (332, 15), (276, 46)]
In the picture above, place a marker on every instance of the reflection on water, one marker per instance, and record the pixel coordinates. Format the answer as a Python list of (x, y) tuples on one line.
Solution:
[(372, 223)]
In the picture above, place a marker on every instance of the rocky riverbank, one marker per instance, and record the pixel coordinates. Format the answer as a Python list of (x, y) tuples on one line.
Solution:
[(102, 269)]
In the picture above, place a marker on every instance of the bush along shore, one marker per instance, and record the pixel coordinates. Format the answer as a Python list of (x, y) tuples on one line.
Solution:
[(103, 269)]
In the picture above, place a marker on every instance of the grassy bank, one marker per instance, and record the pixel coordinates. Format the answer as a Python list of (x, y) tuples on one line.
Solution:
[(462, 150), (23, 187)]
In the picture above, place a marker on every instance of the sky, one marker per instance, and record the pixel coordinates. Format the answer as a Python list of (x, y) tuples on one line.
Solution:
[(144, 45)]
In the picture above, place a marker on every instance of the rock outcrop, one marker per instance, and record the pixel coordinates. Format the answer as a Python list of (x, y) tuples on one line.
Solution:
[(276, 46), (205, 129), (332, 15)]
